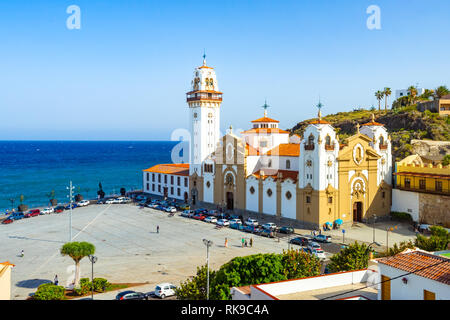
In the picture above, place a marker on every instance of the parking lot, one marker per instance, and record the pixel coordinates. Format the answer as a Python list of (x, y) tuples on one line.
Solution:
[(127, 245)]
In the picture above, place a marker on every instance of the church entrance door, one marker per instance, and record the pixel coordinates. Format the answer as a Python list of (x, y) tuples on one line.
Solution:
[(357, 211), (230, 201)]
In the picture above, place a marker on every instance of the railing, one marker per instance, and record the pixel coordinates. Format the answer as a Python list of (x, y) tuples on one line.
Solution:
[(204, 96), (383, 146), (309, 146), (329, 147), (432, 191)]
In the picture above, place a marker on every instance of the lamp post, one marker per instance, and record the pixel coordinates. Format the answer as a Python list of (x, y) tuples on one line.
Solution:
[(369, 246), (70, 188), (374, 220), (208, 243), (93, 260)]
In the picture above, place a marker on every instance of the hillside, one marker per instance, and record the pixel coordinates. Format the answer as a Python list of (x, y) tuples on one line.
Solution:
[(403, 124)]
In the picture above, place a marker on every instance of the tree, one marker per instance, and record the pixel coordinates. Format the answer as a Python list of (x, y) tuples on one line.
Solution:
[(353, 257), (299, 264), (441, 91), (438, 240), (379, 95), (412, 92), (427, 94), (77, 251), (387, 92), (396, 249), (446, 160), (195, 288)]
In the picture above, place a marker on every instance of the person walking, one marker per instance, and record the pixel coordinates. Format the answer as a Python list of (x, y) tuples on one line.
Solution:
[(55, 281), (157, 229), (243, 241), (21, 253), (246, 244), (251, 242), (226, 242)]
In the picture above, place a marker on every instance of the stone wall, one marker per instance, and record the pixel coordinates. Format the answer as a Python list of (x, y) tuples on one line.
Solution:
[(434, 209)]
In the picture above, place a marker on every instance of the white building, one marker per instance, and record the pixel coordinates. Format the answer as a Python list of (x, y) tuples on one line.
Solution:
[(167, 180), (404, 92), (414, 275)]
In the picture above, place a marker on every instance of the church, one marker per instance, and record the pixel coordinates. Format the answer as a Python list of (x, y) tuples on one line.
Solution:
[(313, 179)]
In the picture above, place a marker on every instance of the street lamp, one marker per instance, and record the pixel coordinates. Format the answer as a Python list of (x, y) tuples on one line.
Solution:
[(70, 196), (374, 220), (208, 243), (370, 245), (93, 260)]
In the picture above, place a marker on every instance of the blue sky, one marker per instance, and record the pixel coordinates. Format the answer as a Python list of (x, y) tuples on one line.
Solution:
[(124, 74)]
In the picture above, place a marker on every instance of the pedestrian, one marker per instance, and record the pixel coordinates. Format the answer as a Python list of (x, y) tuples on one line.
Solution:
[(246, 244), (243, 241), (251, 242), (157, 229), (226, 242), (21, 253), (320, 231), (56, 280)]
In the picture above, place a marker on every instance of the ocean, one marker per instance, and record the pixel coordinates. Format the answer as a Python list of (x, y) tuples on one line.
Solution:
[(35, 168)]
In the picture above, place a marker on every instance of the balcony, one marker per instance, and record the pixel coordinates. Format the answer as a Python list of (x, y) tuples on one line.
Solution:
[(202, 96), (383, 146), (421, 190), (309, 147), (329, 147)]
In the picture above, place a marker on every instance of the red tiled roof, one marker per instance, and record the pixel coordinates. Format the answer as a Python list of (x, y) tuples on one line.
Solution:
[(179, 169), (285, 149), (372, 123), (265, 119), (265, 130), (431, 266), (273, 173), (319, 122), (7, 263)]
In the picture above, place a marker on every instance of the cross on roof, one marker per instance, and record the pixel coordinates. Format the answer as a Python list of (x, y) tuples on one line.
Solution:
[(265, 106)]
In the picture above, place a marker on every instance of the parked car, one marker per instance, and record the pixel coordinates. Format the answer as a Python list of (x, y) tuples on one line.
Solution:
[(210, 219), (322, 238), (140, 197), (74, 205), (170, 209), (184, 207), (7, 220), (301, 241), (235, 221), (83, 203), (237, 226), (287, 230), (131, 295), (266, 233), (128, 200), (250, 229), (201, 211), (59, 209), (101, 201), (213, 213), (16, 215), (110, 201), (319, 253), (223, 222), (198, 216), (47, 210), (269, 226), (251, 222), (32, 213), (187, 213), (313, 245), (165, 290)]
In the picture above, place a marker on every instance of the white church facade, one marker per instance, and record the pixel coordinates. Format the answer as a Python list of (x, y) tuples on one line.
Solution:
[(313, 179)]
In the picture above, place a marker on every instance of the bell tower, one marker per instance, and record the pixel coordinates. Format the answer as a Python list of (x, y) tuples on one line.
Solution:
[(204, 102)]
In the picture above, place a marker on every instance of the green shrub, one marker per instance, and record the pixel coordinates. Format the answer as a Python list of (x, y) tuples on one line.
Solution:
[(101, 284), (401, 216), (48, 291)]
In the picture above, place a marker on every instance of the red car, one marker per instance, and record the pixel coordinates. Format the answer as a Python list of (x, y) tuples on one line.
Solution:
[(6, 221), (33, 213), (199, 217)]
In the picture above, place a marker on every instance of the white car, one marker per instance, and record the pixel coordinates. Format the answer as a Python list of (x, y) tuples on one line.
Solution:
[(319, 253), (119, 200), (126, 200), (314, 246), (210, 219), (109, 201), (235, 221), (165, 290), (223, 222), (170, 209), (251, 222), (83, 203), (269, 226), (47, 210)]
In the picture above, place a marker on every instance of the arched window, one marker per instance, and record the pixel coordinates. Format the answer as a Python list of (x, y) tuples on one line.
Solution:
[(327, 140), (252, 190), (288, 164), (229, 179), (270, 163), (269, 192), (381, 140)]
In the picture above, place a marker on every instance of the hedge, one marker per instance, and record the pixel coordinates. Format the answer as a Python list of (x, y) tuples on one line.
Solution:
[(401, 216), (48, 291)]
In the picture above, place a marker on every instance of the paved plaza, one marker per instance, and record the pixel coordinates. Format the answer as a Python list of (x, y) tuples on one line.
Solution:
[(128, 247)]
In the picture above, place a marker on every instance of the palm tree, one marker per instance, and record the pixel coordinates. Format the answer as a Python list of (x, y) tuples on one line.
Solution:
[(387, 92), (412, 91), (379, 94), (442, 91), (77, 251)]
